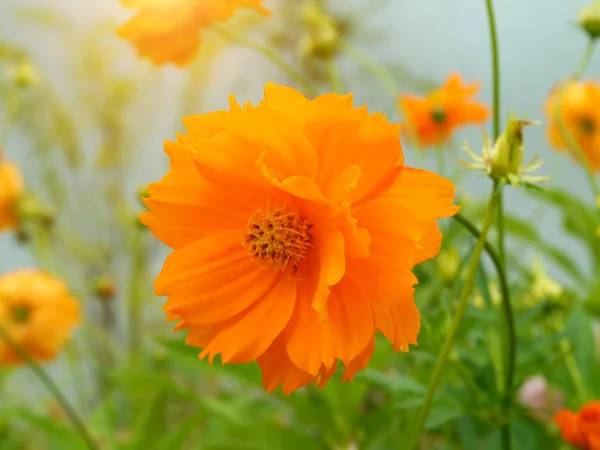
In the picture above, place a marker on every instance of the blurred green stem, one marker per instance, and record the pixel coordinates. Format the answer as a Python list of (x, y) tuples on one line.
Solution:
[(568, 138), (45, 379), (334, 76), (380, 72), (138, 272), (570, 363), (271, 55), (510, 335), (456, 323)]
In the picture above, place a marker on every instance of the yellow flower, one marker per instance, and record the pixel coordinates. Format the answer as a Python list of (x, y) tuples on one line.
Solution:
[(11, 189), (168, 31), (38, 314)]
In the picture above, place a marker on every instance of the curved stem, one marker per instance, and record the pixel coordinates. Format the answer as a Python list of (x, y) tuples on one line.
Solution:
[(456, 322), (45, 379), (380, 72), (510, 337), (271, 55), (568, 138)]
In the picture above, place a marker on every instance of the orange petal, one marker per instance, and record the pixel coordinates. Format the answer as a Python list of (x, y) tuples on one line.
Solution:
[(328, 242), (312, 343), (277, 370), (342, 136), (210, 256), (360, 362), (423, 193), (247, 336), (287, 99), (399, 322), (185, 207)]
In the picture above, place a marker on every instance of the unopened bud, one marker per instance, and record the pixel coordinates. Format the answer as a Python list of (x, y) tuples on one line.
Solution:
[(105, 288), (589, 19), (323, 36), (24, 75), (507, 153)]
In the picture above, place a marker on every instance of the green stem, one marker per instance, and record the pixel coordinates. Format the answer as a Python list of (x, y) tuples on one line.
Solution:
[(380, 72), (495, 68), (571, 364), (568, 138), (271, 55), (510, 335), (138, 268), (334, 76), (460, 311), (441, 167), (45, 379)]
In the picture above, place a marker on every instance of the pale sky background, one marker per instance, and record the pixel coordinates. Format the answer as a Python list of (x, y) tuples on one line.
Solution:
[(539, 44)]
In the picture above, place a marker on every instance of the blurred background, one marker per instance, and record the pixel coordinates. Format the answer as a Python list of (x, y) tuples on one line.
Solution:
[(86, 119)]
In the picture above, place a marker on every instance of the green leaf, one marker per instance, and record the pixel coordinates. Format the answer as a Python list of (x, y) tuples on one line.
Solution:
[(394, 383), (55, 435)]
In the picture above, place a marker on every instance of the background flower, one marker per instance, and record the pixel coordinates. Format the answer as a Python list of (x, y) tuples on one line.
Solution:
[(37, 313), (433, 119), (581, 116)]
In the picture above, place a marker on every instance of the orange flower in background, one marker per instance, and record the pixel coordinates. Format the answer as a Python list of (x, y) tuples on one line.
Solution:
[(295, 227), (11, 188), (168, 31), (37, 313), (581, 116), (581, 429), (432, 120)]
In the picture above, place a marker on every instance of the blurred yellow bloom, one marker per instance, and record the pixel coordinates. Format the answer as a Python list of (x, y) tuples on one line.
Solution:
[(495, 296), (38, 314), (581, 116), (168, 31), (11, 189)]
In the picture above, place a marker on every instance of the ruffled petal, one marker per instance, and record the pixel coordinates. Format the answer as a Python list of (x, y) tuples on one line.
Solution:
[(423, 193), (312, 343), (399, 322), (342, 136), (247, 336), (360, 362), (185, 207)]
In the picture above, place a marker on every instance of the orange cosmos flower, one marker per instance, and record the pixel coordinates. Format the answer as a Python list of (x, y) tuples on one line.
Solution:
[(581, 429), (11, 188), (581, 116), (295, 226), (37, 313), (432, 120), (168, 31)]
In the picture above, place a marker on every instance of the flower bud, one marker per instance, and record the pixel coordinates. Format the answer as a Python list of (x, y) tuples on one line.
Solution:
[(507, 154), (323, 36), (24, 75), (589, 19), (105, 288)]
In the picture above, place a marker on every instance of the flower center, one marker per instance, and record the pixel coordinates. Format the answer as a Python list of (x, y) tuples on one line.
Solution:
[(21, 314), (587, 126), (438, 115), (277, 239)]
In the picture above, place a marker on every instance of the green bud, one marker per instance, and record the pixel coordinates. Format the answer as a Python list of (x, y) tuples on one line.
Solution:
[(589, 19), (24, 75)]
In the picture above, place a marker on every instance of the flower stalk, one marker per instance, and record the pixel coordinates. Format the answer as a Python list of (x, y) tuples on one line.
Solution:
[(45, 379), (456, 322), (271, 55)]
